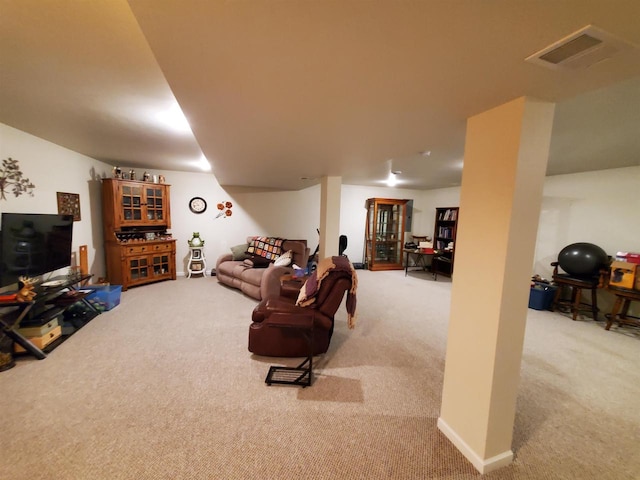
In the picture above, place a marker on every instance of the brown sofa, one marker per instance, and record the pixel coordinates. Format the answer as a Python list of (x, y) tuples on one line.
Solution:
[(260, 283)]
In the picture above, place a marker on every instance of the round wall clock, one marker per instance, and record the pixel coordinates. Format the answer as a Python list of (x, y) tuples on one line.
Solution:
[(197, 205)]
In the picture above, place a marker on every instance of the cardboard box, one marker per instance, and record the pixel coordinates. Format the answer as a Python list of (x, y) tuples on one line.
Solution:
[(623, 274), (630, 257), (41, 341), (39, 331), (633, 258)]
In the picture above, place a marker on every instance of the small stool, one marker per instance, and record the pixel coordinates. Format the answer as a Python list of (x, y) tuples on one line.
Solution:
[(575, 304), (301, 375)]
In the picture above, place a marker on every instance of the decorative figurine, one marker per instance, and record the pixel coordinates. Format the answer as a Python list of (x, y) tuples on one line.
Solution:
[(146, 176), (132, 174), (196, 241), (117, 172), (26, 293)]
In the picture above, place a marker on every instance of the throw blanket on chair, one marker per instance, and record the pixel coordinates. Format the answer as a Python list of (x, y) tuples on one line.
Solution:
[(311, 287)]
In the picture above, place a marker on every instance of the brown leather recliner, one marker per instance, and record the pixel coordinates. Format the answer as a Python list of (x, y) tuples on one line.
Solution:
[(271, 334)]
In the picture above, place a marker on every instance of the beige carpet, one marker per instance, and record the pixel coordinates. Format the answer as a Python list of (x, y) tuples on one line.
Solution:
[(163, 387)]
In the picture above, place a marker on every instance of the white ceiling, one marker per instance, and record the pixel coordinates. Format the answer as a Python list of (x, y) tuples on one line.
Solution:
[(279, 90)]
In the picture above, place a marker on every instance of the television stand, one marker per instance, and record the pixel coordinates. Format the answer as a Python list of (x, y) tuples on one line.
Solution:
[(49, 305)]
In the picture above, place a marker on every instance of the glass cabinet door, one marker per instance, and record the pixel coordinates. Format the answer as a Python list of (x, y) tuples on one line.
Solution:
[(388, 238), (155, 203), (139, 268), (131, 201), (160, 264), (369, 240), (384, 233)]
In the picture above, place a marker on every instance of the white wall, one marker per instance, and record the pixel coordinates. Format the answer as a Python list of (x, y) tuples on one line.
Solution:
[(601, 207), (598, 207), (52, 169), (292, 215)]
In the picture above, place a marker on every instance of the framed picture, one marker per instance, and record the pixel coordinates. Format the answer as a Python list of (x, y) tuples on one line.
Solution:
[(69, 204)]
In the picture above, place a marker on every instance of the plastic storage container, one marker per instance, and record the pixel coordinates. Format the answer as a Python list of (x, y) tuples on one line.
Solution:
[(541, 296), (105, 297)]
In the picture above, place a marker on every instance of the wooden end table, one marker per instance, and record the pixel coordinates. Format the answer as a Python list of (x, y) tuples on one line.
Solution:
[(624, 297)]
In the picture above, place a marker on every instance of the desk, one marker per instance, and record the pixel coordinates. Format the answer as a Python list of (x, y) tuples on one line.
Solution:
[(421, 256), (624, 297)]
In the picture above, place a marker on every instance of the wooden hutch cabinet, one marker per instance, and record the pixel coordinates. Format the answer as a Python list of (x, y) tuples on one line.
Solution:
[(136, 216), (444, 238), (384, 233)]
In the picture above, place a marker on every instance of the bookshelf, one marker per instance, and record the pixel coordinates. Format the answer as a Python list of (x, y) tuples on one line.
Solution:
[(444, 237)]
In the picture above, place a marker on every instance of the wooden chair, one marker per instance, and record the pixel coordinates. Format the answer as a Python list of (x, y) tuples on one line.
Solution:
[(576, 284)]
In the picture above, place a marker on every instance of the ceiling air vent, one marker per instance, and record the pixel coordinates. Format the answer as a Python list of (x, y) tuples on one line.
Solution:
[(581, 49)]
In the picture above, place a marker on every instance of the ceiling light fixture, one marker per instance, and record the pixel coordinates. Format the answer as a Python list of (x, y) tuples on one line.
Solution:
[(392, 180), (174, 119)]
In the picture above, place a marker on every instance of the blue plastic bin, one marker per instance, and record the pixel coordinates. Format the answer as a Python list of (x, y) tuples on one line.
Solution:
[(541, 296), (105, 297)]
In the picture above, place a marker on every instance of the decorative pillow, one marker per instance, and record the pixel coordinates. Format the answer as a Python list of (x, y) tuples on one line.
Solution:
[(284, 260), (267, 247), (239, 252)]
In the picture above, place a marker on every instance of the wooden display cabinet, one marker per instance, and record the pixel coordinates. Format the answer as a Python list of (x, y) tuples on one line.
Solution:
[(136, 216), (134, 204), (444, 237), (384, 233)]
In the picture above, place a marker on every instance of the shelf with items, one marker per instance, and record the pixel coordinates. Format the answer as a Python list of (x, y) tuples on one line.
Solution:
[(197, 264), (384, 233), (39, 326), (444, 237)]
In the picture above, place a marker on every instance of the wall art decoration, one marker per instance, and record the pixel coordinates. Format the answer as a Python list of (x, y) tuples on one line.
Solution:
[(13, 180), (69, 204), (225, 209)]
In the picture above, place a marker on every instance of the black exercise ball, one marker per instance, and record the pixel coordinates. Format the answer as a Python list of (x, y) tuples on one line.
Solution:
[(582, 258)]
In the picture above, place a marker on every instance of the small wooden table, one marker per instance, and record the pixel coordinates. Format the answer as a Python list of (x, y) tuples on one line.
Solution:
[(421, 257), (624, 297)]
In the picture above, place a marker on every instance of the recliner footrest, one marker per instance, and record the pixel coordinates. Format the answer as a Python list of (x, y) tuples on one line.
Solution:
[(300, 375)]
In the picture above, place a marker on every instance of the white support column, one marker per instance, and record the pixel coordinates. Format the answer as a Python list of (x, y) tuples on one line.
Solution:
[(330, 191), (505, 160)]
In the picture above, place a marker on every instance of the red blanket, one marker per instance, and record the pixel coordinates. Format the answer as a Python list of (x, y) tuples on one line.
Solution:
[(311, 287)]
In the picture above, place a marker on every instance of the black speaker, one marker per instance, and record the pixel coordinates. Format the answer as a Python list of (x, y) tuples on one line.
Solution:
[(342, 244)]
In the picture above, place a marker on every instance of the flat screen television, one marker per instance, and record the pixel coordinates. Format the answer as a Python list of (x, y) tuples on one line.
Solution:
[(33, 244)]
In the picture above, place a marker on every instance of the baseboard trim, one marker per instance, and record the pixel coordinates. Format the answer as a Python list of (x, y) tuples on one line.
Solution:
[(482, 465)]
